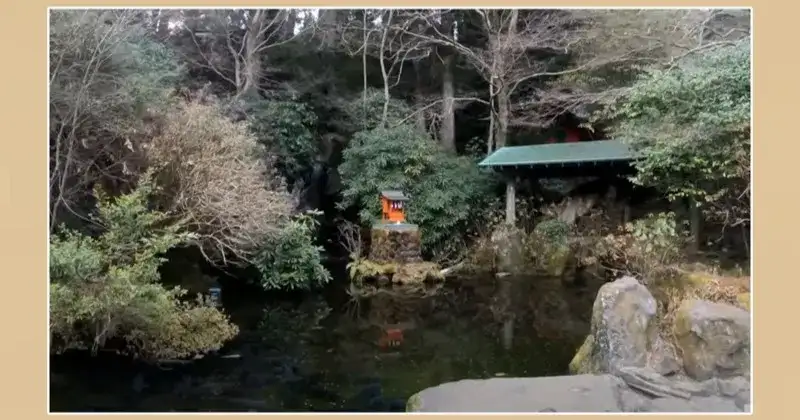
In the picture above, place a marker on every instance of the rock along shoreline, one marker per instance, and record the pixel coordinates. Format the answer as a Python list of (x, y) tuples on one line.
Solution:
[(625, 365)]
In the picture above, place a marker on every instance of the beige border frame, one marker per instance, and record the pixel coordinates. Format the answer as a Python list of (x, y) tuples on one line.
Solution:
[(23, 181)]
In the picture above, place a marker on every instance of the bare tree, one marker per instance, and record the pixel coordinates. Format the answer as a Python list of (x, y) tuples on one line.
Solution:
[(381, 34), (92, 134), (506, 60), (533, 60), (613, 46), (447, 131), (239, 39)]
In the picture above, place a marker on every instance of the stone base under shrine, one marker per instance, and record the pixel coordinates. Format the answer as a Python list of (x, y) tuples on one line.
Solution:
[(395, 243)]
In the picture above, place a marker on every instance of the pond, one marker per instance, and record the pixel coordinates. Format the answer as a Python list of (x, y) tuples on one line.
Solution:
[(325, 353)]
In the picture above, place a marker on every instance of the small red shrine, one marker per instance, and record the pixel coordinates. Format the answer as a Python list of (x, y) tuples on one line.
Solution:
[(393, 204)]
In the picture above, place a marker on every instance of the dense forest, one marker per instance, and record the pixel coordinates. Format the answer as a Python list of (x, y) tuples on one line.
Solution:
[(245, 139)]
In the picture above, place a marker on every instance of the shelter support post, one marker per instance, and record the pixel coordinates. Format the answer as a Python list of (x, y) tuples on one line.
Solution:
[(511, 210), (694, 225), (626, 213)]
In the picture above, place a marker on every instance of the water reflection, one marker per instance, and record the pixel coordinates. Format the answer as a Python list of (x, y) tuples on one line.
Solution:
[(315, 356)]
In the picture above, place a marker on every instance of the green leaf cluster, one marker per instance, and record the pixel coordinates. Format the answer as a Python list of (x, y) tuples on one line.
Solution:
[(106, 288), (448, 193), (286, 128), (290, 260), (691, 124)]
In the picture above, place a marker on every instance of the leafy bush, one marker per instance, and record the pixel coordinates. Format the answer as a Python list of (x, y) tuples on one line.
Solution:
[(448, 193), (286, 129), (290, 260), (366, 111), (107, 287), (648, 248), (692, 126), (548, 246), (553, 231)]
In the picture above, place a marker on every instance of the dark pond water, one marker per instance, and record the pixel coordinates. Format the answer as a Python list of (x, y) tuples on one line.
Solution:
[(322, 353)]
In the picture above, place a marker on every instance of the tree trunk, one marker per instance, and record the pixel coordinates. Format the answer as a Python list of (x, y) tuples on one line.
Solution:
[(419, 97), (162, 30), (251, 65), (503, 115), (447, 131), (492, 118), (503, 94), (695, 220), (384, 73), (328, 21), (287, 28)]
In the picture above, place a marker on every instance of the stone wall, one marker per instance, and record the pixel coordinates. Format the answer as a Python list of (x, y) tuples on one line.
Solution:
[(395, 243)]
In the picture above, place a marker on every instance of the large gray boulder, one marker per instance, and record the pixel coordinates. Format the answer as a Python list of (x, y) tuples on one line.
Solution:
[(623, 329), (636, 390), (507, 247), (714, 339), (575, 394)]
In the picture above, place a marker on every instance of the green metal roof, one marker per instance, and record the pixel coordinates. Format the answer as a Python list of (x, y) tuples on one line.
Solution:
[(559, 153)]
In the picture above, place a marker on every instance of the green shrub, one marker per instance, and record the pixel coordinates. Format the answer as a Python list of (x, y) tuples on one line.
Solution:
[(290, 260), (553, 231), (286, 129), (548, 246), (448, 194), (650, 247), (366, 111), (657, 238), (108, 287), (691, 125)]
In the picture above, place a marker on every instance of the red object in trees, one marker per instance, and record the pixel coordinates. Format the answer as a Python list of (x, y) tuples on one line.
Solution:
[(571, 135), (392, 337)]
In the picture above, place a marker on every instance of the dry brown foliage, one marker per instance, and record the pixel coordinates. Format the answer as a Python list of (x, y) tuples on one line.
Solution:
[(350, 237), (695, 283), (214, 176)]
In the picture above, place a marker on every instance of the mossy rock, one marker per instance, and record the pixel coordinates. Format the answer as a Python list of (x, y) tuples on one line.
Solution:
[(622, 331), (414, 403), (395, 243), (400, 273), (744, 300), (557, 261), (416, 273), (507, 244), (698, 278), (713, 339), (581, 363), (364, 269)]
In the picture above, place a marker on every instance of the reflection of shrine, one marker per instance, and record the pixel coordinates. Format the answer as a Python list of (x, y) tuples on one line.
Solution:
[(392, 315)]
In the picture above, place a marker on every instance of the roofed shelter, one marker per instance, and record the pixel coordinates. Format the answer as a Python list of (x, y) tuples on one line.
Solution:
[(584, 158), (557, 160)]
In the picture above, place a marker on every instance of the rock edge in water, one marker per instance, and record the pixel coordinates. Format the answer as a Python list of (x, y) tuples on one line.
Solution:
[(711, 339), (624, 365), (635, 390)]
